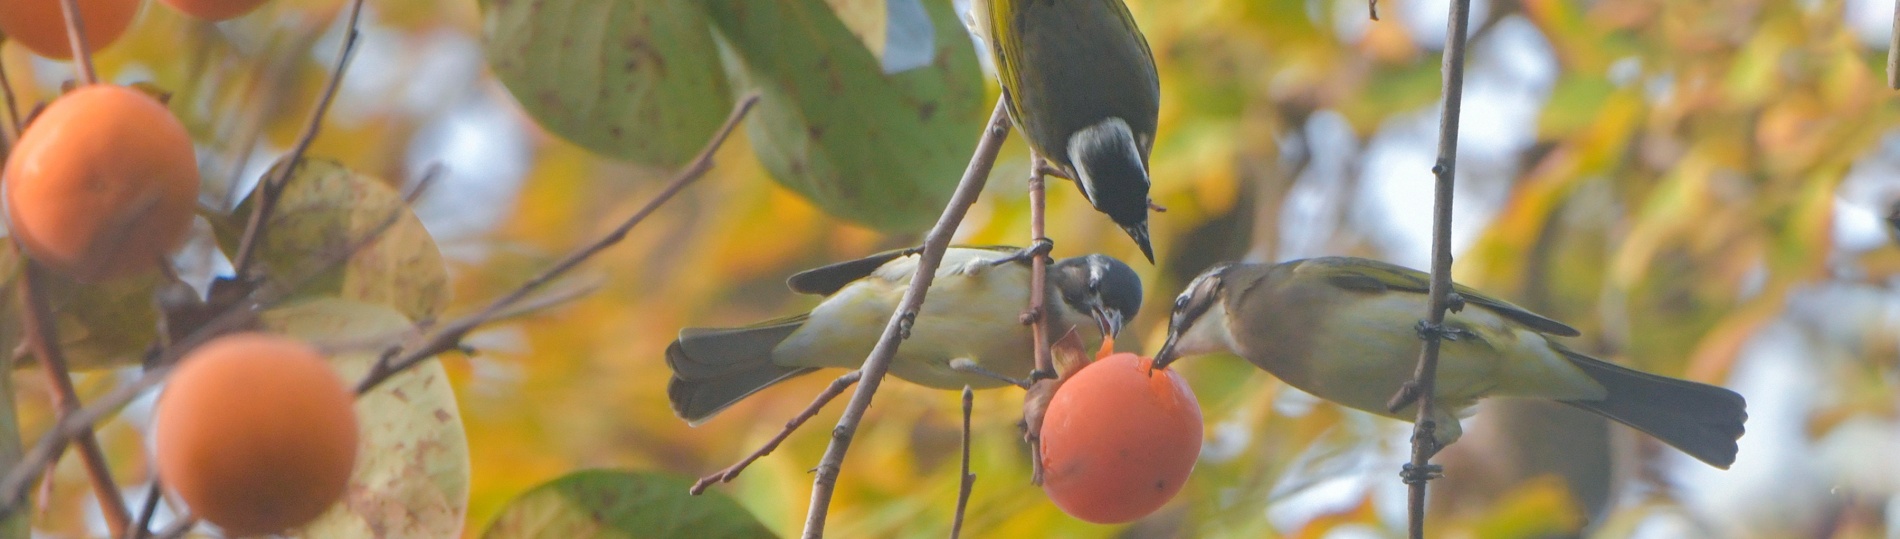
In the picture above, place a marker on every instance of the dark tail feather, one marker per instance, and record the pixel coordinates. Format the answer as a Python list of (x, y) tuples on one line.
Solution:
[(1699, 419), (714, 368)]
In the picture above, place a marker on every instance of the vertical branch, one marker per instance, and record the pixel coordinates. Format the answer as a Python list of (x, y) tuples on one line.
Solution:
[(968, 480), (44, 341), (1424, 444), (1893, 51), (1038, 270), (76, 35), (879, 362)]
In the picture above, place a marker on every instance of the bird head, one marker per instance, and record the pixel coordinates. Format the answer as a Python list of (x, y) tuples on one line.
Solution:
[(1112, 169), (1100, 285), (1201, 296)]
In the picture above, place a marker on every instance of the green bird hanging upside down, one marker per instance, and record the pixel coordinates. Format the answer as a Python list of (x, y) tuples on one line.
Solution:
[(1080, 84), (1346, 330), (967, 333)]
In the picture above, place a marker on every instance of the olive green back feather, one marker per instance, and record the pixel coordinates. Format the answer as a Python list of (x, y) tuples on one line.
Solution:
[(1375, 276)]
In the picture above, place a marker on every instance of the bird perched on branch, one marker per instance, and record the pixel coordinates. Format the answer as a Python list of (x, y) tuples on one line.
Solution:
[(1081, 87), (967, 333), (1347, 330)]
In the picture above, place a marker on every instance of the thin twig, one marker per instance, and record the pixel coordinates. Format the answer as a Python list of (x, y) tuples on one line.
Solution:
[(832, 391), (76, 36), (13, 108), (43, 338), (449, 336), (968, 480), (1424, 444), (1893, 51), (152, 495), (1372, 7), (178, 528), (879, 361), (1038, 281), (272, 188)]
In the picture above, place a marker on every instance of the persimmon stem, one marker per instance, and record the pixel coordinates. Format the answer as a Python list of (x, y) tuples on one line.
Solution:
[(76, 36)]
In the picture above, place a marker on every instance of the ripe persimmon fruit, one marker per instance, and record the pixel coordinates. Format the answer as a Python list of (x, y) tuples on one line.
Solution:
[(1119, 439), (256, 433), (214, 10), (40, 25), (102, 184)]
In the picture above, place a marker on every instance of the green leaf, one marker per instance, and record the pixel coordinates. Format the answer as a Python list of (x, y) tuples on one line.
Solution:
[(327, 210), (630, 79), (624, 504), (881, 149), (100, 325), (412, 467)]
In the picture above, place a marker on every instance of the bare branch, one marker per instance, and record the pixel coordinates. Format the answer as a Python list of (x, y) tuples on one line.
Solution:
[(968, 479), (272, 188), (153, 494), (1893, 51), (43, 339), (1424, 444), (879, 361), (76, 35), (836, 388), (449, 336)]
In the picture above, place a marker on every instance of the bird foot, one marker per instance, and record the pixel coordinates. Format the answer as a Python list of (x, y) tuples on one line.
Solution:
[(1039, 375), (1419, 474), (1040, 247), (965, 365), (903, 325), (1428, 331)]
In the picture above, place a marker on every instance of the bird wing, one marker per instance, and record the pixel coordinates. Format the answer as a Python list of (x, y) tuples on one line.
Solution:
[(1005, 49), (1375, 276), (827, 280)]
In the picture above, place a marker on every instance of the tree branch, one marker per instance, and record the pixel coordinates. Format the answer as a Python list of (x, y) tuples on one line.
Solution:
[(272, 188), (1893, 51), (449, 336), (968, 480), (76, 36), (1424, 444), (43, 339), (836, 388), (879, 361)]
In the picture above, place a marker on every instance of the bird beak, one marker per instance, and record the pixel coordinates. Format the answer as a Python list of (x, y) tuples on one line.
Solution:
[(1139, 231), (1166, 355), (1110, 321)]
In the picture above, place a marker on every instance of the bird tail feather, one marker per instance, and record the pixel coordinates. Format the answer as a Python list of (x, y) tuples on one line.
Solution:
[(1699, 419), (715, 368)]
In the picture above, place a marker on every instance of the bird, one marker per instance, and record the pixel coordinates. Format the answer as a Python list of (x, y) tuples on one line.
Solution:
[(1079, 83), (1346, 330), (968, 333)]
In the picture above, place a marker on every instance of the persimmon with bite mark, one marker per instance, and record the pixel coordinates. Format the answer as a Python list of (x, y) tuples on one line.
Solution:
[(1119, 439)]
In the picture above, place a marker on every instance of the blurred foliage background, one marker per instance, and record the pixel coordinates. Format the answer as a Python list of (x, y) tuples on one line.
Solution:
[(1697, 185)]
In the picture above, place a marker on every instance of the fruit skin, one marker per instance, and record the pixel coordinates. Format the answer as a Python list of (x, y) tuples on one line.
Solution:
[(40, 25), (1118, 442), (215, 10), (256, 433), (101, 185)]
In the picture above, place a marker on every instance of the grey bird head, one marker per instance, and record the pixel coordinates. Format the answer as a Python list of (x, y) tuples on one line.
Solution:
[(1100, 285), (1112, 170), (1200, 297)]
